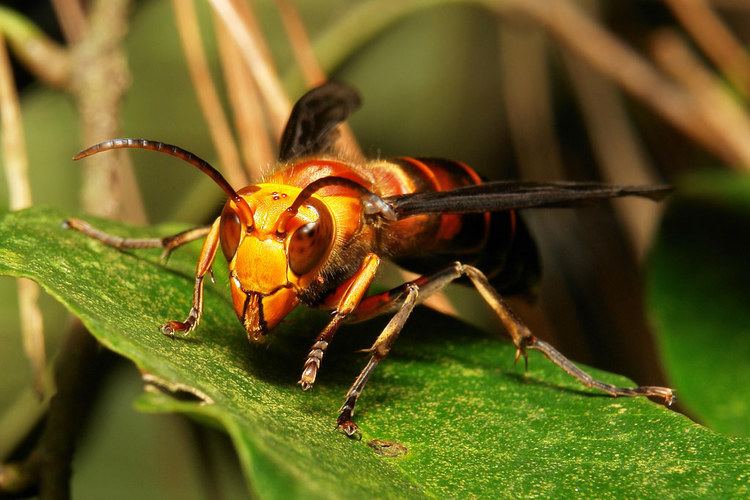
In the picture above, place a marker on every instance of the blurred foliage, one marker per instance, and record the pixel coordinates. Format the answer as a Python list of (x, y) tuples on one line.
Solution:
[(126, 454), (699, 291)]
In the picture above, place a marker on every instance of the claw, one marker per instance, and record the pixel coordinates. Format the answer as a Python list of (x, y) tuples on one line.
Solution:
[(312, 364), (164, 257), (168, 245), (171, 328), (349, 428), (309, 374), (523, 343), (520, 351), (344, 422)]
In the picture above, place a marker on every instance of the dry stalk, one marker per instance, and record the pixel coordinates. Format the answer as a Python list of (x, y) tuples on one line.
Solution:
[(263, 72), (208, 97), (19, 191), (528, 101), (719, 111), (250, 20), (300, 43), (14, 144), (255, 141), (568, 25), (72, 19), (715, 39), (610, 56), (312, 71), (99, 81)]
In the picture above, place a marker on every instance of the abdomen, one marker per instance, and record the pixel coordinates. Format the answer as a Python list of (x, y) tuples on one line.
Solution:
[(497, 243)]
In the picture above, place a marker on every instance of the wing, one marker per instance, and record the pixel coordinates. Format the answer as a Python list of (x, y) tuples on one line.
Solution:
[(507, 195), (311, 128)]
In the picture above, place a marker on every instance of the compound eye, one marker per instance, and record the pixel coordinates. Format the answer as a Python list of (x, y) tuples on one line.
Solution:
[(230, 230), (308, 246)]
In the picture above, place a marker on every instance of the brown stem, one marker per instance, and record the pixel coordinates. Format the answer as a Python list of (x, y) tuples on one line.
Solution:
[(300, 43), (99, 81), (208, 98), (254, 139), (13, 141), (72, 19), (617, 148), (528, 97), (567, 24), (718, 110), (265, 75), (610, 56), (312, 71), (715, 39)]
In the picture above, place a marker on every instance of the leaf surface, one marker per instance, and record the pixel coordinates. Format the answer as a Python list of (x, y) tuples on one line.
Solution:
[(472, 424)]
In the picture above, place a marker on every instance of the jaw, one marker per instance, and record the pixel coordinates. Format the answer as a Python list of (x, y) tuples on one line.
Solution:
[(252, 317), (260, 313)]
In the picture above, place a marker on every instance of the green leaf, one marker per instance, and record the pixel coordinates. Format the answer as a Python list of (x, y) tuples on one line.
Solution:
[(471, 423), (699, 297)]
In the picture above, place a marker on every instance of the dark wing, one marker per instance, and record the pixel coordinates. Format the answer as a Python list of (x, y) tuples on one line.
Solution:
[(311, 128), (507, 195)]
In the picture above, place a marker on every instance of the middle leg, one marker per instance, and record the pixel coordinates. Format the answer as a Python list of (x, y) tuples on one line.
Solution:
[(379, 350)]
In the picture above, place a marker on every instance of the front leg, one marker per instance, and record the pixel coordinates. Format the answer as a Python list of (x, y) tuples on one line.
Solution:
[(206, 258), (350, 297)]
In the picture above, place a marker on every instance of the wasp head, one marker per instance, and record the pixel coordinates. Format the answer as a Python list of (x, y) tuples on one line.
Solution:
[(275, 255)]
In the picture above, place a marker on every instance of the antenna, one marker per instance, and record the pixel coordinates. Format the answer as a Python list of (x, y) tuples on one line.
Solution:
[(246, 213)]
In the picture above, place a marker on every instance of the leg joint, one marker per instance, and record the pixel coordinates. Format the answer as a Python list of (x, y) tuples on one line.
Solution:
[(471, 271), (462, 269), (411, 289)]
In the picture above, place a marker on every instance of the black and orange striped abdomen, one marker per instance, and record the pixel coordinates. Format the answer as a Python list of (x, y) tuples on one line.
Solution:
[(498, 243)]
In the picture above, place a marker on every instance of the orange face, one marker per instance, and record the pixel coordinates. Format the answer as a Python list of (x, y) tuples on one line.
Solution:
[(272, 260)]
